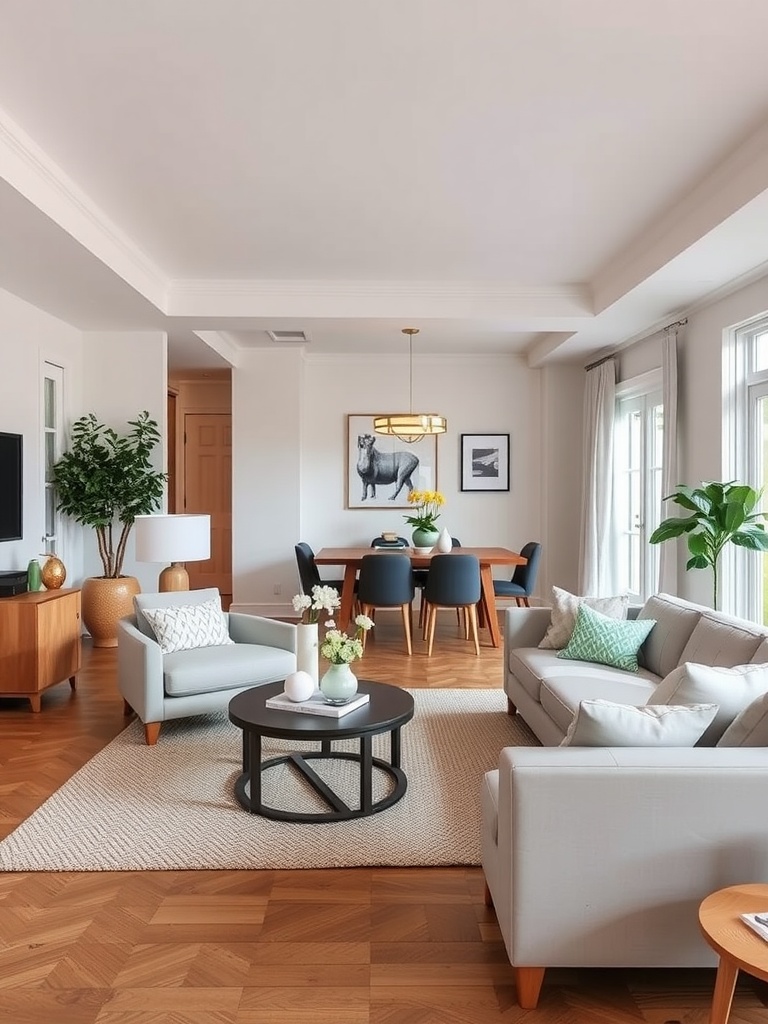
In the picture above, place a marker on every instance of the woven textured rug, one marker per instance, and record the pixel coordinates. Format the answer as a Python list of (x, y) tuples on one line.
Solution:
[(172, 806)]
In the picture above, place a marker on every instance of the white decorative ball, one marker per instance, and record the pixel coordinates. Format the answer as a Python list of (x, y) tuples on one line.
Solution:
[(299, 686)]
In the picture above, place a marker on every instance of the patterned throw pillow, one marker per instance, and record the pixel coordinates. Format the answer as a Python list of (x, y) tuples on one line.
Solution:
[(602, 723), (608, 641), (188, 626), (565, 608)]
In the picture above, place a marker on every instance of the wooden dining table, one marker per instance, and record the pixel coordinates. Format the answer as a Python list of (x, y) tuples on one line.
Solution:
[(351, 559)]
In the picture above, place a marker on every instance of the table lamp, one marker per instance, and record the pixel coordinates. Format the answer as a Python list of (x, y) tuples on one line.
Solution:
[(174, 539)]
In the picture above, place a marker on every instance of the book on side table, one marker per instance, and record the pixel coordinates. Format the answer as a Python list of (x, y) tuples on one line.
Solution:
[(316, 705)]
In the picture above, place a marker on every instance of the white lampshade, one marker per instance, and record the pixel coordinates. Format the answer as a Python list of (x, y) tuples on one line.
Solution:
[(174, 539)]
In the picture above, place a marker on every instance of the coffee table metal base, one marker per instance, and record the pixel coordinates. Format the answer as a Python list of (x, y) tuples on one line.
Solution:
[(338, 809), (248, 787)]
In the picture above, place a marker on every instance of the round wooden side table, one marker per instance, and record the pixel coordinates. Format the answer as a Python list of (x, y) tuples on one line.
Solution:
[(739, 948)]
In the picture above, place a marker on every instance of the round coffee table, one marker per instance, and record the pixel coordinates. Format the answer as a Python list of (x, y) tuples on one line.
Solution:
[(738, 947), (388, 709)]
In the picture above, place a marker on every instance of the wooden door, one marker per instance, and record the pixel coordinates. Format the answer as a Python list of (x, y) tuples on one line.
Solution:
[(208, 488)]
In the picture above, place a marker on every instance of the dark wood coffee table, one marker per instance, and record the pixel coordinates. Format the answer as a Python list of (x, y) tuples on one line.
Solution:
[(388, 710)]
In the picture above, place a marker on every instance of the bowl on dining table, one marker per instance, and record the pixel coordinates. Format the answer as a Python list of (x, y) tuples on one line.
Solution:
[(390, 537)]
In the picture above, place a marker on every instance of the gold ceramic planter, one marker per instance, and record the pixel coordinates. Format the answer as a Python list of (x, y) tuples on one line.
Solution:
[(105, 601)]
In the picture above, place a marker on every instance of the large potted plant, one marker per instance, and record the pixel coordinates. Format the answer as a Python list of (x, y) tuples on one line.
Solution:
[(104, 481), (719, 514)]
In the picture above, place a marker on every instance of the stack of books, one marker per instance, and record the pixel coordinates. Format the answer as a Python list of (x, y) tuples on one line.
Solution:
[(316, 705)]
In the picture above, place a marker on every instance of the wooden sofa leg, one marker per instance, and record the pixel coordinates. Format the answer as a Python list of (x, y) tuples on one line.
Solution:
[(528, 982), (151, 732), (511, 709)]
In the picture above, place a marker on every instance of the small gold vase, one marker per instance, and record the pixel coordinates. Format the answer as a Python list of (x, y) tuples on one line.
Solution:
[(53, 573)]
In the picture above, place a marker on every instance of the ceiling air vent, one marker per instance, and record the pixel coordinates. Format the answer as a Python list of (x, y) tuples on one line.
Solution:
[(296, 337)]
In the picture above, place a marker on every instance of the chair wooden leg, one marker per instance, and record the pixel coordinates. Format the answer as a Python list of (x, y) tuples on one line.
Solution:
[(430, 628), (424, 619), (472, 616), (528, 981), (405, 610), (366, 609), (526, 602), (151, 732)]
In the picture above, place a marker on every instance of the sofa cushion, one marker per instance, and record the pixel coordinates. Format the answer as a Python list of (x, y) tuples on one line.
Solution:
[(565, 608), (721, 640), (760, 657), (750, 727), (603, 723), (732, 689), (561, 694), (188, 627), (170, 599), (222, 668), (608, 641), (675, 621)]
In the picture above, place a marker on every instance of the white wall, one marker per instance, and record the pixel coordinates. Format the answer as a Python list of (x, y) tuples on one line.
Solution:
[(28, 338), (125, 372), (290, 436)]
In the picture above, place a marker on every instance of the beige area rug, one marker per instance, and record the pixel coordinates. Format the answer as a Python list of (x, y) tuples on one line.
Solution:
[(172, 806)]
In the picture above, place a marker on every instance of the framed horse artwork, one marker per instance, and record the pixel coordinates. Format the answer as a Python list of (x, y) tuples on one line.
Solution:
[(382, 470)]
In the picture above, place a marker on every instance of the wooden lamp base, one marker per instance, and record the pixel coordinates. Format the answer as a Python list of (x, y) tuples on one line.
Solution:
[(174, 577)]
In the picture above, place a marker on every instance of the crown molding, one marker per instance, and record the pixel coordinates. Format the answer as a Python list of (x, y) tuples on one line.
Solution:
[(377, 299), (32, 173)]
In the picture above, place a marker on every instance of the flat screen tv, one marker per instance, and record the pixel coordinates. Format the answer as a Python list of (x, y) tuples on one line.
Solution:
[(11, 474)]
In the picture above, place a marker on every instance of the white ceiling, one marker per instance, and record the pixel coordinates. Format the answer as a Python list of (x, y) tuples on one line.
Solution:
[(549, 178)]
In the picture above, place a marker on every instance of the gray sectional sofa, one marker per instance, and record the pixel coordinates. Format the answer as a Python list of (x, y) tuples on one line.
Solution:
[(600, 857)]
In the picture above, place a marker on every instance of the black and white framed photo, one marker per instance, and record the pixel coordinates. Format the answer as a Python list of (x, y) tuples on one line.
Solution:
[(382, 470), (485, 462)]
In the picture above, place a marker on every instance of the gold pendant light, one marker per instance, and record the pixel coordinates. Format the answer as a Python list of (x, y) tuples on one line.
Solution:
[(410, 426)]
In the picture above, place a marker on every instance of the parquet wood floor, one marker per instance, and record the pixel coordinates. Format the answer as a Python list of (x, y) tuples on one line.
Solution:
[(410, 946)]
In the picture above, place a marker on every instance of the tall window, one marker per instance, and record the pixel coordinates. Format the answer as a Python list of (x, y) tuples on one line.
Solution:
[(748, 438), (53, 441), (638, 454)]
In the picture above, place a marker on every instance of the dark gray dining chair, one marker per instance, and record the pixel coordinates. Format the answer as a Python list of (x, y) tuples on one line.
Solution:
[(420, 580), (453, 582), (379, 542), (309, 574), (523, 581), (386, 581)]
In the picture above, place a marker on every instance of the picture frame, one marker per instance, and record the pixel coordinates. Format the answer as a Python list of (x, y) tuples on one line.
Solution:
[(484, 462), (363, 489)]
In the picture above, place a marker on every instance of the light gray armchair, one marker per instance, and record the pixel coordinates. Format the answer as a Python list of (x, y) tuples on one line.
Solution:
[(160, 687)]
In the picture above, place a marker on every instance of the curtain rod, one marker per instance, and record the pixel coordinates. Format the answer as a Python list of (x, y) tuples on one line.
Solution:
[(599, 362)]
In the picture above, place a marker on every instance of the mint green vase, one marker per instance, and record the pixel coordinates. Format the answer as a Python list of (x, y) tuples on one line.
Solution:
[(339, 684), (424, 538), (34, 579)]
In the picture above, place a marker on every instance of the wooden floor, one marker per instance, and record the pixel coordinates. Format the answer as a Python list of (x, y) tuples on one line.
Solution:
[(365, 946)]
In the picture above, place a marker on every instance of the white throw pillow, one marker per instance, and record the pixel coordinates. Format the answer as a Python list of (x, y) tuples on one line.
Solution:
[(733, 689), (602, 723), (749, 728), (188, 626), (565, 608)]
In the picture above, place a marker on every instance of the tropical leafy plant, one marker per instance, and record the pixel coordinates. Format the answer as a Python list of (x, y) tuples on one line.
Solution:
[(106, 479), (720, 513)]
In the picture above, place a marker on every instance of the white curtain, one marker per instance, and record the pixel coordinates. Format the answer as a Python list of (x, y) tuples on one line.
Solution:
[(595, 575), (669, 480)]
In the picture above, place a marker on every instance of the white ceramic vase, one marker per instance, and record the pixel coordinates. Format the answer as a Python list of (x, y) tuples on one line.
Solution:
[(307, 650), (444, 542)]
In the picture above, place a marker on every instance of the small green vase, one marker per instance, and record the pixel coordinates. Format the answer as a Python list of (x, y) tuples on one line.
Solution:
[(339, 684), (34, 579), (424, 538)]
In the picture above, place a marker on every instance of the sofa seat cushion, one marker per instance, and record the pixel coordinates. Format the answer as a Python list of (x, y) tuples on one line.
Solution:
[(221, 668), (561, 695), (722, 641)]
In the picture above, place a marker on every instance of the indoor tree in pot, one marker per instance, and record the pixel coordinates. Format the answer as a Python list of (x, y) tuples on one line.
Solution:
[(104, 481), (720, 513)]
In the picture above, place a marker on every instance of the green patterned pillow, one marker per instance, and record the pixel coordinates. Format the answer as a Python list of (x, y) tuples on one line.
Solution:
[(608, 641)]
